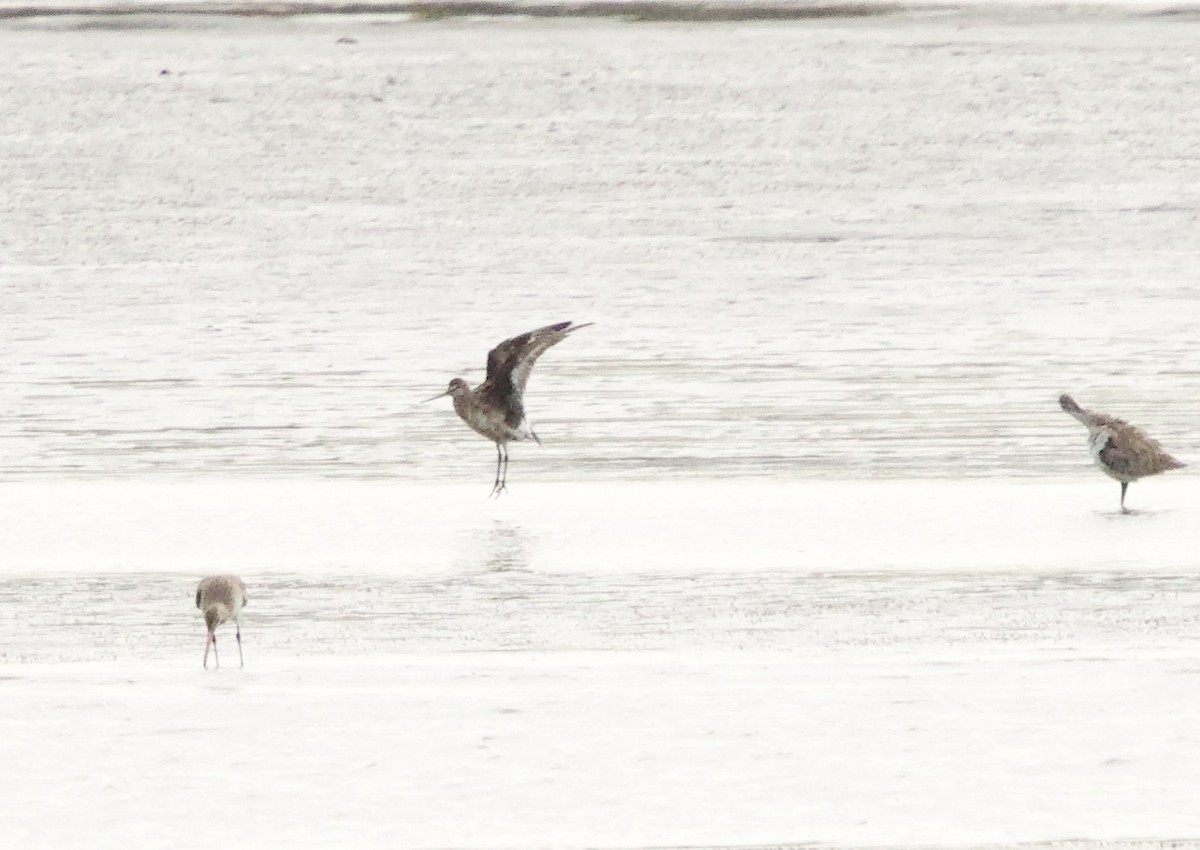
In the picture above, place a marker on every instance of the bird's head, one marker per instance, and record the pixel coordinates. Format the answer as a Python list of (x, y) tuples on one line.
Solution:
[(212, 619), (458, 387)]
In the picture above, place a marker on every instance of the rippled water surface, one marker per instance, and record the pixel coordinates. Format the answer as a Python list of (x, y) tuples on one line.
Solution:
[(844, 248)]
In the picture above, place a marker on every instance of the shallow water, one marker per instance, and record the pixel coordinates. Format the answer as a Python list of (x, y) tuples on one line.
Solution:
[(810, 554), (843, 249)]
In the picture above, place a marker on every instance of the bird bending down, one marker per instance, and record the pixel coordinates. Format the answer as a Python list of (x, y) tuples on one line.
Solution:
[(220, 599), (496, 408), (1122, 450)]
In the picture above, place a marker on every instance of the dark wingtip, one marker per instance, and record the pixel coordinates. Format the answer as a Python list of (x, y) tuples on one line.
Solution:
[(561, 328)]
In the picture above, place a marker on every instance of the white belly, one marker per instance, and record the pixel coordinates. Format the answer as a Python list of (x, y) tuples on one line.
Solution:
[(1097, 443), (1097, 440)]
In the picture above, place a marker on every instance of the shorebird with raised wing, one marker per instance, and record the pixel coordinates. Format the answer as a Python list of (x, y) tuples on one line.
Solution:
[(1122, 450), (496, 408), (220, 599)]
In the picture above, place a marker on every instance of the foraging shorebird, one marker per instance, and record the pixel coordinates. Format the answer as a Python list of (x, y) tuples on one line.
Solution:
[(220, 599), (1122, 450), (496, 408)]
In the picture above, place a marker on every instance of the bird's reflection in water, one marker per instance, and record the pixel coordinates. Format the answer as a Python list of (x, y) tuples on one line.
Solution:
[(507, 547)]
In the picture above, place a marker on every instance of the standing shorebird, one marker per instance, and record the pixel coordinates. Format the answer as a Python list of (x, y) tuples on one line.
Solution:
[(220, 599), (496, 408), (1122, 450)]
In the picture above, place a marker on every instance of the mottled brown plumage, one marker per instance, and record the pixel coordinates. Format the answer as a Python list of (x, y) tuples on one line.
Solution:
[(496, 408), (220, 599), (1123, 451)]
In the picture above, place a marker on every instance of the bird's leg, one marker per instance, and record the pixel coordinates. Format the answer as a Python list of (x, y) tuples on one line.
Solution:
[(1124, 486), (241, 661), (496, 487), (216, 657), (207, 644), (503, 475)]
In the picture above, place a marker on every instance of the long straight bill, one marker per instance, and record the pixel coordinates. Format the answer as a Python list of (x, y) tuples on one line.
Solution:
[(211, 640)]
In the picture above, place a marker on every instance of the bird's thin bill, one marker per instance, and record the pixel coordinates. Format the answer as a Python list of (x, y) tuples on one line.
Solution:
[(436, 397)]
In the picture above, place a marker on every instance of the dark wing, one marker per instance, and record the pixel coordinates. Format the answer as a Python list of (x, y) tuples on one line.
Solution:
[(1139, 453), (1119, 460), (510, 363), (198, 592)]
